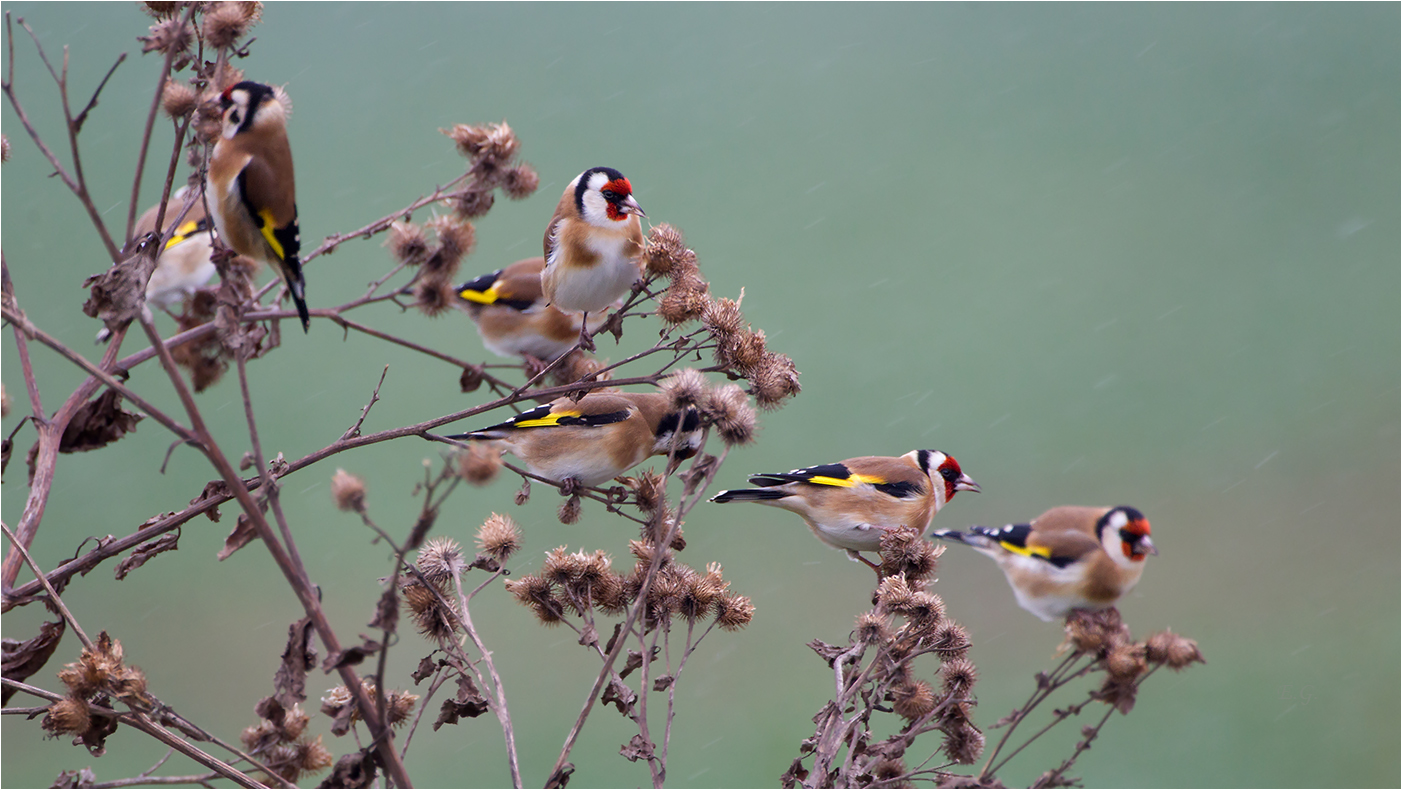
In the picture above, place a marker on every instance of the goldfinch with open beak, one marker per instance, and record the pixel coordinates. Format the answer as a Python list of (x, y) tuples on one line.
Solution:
[(849, 505), (599, 437), (512, 317), (251, 188), (593, 244), (1068, 557), (184, 265)]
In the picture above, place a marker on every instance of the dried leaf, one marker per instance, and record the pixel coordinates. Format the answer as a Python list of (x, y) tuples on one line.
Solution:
[(560, 778), (116, 295), (663, 683), (619, 695), (354, 770), (351, 656), (83, 777), (242, 535), (469, 704), (97, 423), (638, 748), (829, 653), (213, 489), (23, 659), (589, 636), (144, 552), (427, 666), (298, 658), (387, 611)]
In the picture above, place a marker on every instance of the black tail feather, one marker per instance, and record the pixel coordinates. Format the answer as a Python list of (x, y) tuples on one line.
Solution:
[(748, 495)]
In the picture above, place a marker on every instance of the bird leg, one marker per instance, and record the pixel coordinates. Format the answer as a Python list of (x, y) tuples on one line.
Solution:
[(585, 342), (856, 557)]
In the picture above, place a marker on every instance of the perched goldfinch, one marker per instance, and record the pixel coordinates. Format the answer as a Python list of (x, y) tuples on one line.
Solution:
[(848, 505), (251, 187), (1068, 557), (599, 437), (184, 265), (593, 244), (513, 318)]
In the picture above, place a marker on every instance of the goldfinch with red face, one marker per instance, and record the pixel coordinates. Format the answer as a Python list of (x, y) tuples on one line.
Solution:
[(184, 265), (251, 188), (849, 505), (599, 437), (1068, 557), (593, 244), (512, 317)]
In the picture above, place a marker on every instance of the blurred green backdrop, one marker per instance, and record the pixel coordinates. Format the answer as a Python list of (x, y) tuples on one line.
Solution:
[(1101, 254)]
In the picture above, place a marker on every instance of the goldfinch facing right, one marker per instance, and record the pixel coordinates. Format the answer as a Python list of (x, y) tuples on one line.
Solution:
[(1068, 557)]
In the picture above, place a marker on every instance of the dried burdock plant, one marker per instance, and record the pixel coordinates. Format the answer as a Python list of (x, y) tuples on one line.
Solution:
[(348, 491)]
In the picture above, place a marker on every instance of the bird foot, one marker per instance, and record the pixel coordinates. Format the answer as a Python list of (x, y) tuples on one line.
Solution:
[(856, 557)]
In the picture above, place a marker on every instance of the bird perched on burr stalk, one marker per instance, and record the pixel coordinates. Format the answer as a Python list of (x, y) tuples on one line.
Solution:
[(184, 265), (1068, 557), (512, 317), (599, 437), (849, 505), (592, 245), (251, 188)]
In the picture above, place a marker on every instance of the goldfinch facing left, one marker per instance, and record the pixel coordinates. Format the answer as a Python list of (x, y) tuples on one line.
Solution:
[(251, 187), (593, 243), (849, 505), (1068, 557), (512, 317), (599, 437)]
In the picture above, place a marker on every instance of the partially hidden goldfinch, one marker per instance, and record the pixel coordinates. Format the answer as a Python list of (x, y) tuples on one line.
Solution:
[(599, 437), (512, 317), (850, 505), (251, 187), (1067, 558), (593, 244), (184, 265)]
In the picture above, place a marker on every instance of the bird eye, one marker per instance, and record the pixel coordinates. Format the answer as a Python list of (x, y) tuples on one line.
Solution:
[(234, 117), (949, 473), (610, 195)]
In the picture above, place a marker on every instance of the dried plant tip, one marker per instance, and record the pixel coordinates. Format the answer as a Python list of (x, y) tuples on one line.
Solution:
[(904, 552), (401, 705), (224, 24), (686, 387), (441, 559), (708, 588), (723, 317), (579, 366), (430, 616), (959, 676), (1093, 631), (538, 594), (887, 769), (913, 700), (312, 756), (179, 99), (499, 537), (472, 204), (4, 148), (649, 488), (494, 142), (569, 510), (734, 612), (456, 238), (1126, 661), (774, 379), (964, 745), (611, 593), (872, 628), (160, 10), (1175, 650), (729, 409), (348, 491), (520, 181), (925, 610), (666, 252), (170, 36), (684, 301), (67, 716), (894, 594), (479, 463), (950, 640), (407, 243), (432, 296)]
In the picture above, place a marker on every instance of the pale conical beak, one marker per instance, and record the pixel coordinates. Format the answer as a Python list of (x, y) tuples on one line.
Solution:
[(630, 206), (1146, 546), (966, 483)]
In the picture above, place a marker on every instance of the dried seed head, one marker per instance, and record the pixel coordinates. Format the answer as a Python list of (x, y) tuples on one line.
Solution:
[(538, 594), (959, 676), (964, 745), (610, 594), (666, 252), (734, 612), (429, 615), (894, 594), (433, 295), (456, 238), (520, 182), (400, 705), (1118, 694), (686, 387), (743, 351), (441, 559), (479, 463), (887, 769), (4, 148), (569, 510), (492, 142), (472, 204), (684, 301), (1175, 650), (225, 24), (179, 99), (499, 537), (1126, 661), (950, 640), (644, 552), (649, 488), (348, 491), (160, 10), (168, 36), (925, 611), (903, 552), (729, 409), (579, 366), (312, 756), (722, 317), (67, 716), (560, 566), (774, 379), (1094, 631), (872, 628), (913, 699), (407, 243)]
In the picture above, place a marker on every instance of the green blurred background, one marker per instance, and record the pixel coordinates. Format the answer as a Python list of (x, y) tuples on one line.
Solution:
[(1101, 254)]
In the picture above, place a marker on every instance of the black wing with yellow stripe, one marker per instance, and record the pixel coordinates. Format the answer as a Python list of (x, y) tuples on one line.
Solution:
[(1016, 538), (838, 475), (546, 416)]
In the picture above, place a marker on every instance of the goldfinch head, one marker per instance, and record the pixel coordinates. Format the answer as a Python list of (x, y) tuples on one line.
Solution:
[(603, 197), (252, 106), (944, 472), (1124, 532)]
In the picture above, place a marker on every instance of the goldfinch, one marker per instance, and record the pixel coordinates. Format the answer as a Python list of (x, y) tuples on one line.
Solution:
[(593, 244), (251, 187), (513, 318), (1068, 557), (849, 505), (184, 265), (599, 437)]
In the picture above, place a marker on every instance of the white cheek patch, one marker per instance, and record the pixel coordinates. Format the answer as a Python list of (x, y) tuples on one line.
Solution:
[(596, 209)]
